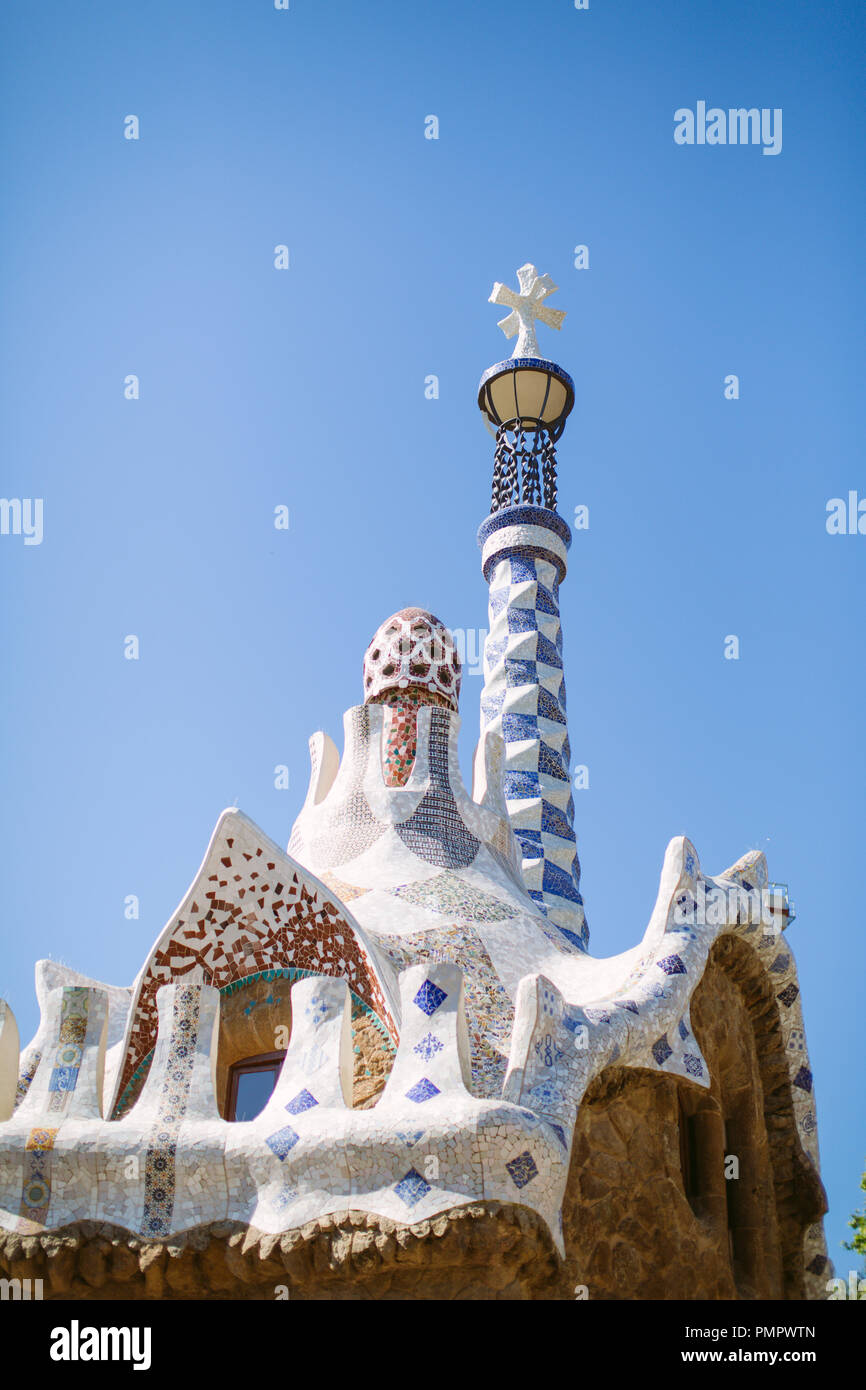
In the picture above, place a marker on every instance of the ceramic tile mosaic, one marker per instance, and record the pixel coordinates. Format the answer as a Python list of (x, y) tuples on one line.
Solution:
[(451, 863), (65, 1091), (488, 1006), (308, 1153), (401, 743), (450, 896), (464, 948), (524, 701), (250, 909), (413, 649), (401, 730), (27, 1074), (436, 831), (170, 1080), (51, 975)]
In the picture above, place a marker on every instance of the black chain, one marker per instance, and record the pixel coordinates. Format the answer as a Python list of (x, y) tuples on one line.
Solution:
[(505, 483), (519, 452), (548, 470), (531, 493)]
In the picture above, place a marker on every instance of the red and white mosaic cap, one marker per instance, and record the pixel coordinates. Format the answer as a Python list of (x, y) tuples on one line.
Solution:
[(412, 648)]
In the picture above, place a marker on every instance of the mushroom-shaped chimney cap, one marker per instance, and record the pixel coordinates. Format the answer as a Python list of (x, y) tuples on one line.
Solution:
[(413, 649)]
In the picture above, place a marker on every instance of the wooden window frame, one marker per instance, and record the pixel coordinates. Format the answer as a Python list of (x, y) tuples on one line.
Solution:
[(261, 1061)]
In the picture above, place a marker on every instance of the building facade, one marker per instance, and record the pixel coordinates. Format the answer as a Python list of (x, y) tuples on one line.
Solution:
[(384, 1061)]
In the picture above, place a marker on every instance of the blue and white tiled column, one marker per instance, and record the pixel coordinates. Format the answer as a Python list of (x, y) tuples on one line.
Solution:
[(523, 555)]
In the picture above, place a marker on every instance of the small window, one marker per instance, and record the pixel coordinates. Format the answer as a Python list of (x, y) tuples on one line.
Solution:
[(251, 1084), (689, 1154), (737, 1239)]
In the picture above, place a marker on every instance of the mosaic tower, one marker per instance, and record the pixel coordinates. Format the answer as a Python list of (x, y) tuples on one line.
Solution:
[(452, 1062), (524, 545)]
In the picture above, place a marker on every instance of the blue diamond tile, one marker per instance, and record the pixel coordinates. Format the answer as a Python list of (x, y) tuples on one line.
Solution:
[(671, 965), (683, 1030), (692, 1064), (545, 602), (517, 727), (547, 1096), (491, 706), (549, 707), (573, 938), (429, 997), (412, 1188), (546, 652), (521, 620), (422, 1090), (556, 880), (427, 1047), (554, 822), (283, 1141), (520, 784), (627, 1004), (531, 844), (519, 672), (803, 1079), (560, 1133), (497, 599), (662, 1050), (522, 1169), (550, 763), (410, 1137), (302, 1101), (522, 569)]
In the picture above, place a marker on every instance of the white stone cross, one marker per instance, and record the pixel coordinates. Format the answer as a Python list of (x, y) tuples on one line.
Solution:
[(526, 307)]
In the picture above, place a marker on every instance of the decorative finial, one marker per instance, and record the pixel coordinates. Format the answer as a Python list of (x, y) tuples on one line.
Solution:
[(526, 307)]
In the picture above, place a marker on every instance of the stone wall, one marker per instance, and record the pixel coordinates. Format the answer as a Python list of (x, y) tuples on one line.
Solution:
[(649, 1213), (486, 1251)]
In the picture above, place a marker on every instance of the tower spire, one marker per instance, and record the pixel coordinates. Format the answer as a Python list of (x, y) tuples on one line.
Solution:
[(524, 548)]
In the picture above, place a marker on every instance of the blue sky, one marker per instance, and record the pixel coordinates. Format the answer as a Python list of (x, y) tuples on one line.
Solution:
[(305, 388)]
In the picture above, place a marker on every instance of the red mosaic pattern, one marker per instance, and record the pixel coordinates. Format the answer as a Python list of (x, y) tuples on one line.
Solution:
[(401, 731), (251, 915), (401, 743)]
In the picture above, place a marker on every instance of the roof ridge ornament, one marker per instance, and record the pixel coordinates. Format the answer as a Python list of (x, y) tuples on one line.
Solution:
[(526, 307)]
